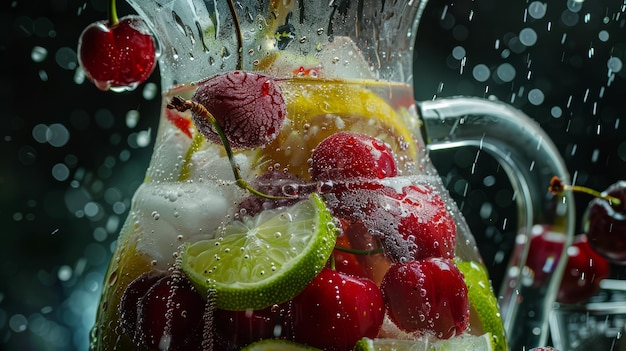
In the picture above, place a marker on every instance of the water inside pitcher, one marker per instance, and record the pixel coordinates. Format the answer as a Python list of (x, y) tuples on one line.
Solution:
[(290, 186)]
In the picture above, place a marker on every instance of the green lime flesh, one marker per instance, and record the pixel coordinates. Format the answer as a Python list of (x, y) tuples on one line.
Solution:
[(265, 259)]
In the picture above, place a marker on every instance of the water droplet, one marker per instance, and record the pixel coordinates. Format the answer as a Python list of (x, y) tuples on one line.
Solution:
[(537, 9), (505, 72), (614, 64), (38, 54), (155, 215), (536, 97), (481, 72), (132, 117), (528, 36)]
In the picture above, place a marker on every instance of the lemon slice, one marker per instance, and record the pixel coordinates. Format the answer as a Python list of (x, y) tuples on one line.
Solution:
[(483, 302), (278, 345), (464, 342), (262, 260), (318, 108)]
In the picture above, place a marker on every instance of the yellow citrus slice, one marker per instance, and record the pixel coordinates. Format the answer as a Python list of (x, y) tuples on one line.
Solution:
[(263, 260), (317, 108)]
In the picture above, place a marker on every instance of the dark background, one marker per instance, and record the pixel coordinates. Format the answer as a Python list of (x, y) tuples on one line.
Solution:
[(72, 156)]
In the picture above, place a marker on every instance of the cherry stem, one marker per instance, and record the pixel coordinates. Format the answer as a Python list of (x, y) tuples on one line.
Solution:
[(231, 7), (359, 252), (182, 105), (557, 187), (113, 20)]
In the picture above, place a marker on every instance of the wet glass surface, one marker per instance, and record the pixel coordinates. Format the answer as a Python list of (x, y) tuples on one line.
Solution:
[(72, 156)]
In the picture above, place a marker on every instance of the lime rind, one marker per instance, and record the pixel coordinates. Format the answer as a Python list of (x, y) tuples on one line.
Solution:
[(484, 302), (482, 342), (278, 345), (262, 260)]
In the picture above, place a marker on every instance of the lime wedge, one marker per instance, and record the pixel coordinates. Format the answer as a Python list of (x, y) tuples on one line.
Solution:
[(262, 260), (483, 302), (278, 345), (464, 342)]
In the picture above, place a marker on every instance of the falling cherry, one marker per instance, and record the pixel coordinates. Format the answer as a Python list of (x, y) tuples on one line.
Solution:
[(117, 54)]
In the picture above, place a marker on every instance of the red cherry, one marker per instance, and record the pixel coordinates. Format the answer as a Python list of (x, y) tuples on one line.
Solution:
[(249, 107), (583, 272), (428, 295), (169, 314), (120, 56), (348, 155), (427, 225), (236, 329), (129, 303), (411, 221), (336, 310), (544, 252), (607, 224)]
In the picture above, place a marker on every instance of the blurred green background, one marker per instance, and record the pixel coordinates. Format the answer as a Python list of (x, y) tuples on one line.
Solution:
[(72, 156)]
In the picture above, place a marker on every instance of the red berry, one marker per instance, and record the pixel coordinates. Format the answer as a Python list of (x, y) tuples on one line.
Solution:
[(129, 303), (169, 314), (544, 252), (427, 224), (119, 56), (411, 221), (428, 295), (583, 272), (236, 329), (249, 107), (336, 310), (607, 224), (348, 155)]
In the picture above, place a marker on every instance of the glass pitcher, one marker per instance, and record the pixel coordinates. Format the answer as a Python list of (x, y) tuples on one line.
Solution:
[(333, 151)]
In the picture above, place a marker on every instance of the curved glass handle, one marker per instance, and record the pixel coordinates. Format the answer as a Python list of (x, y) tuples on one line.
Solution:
[(530, 160)]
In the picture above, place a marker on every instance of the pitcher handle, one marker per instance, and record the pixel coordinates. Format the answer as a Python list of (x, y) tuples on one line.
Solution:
[(530, 160)]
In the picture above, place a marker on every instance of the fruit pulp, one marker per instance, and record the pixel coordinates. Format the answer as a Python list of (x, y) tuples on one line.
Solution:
[(190, 193)]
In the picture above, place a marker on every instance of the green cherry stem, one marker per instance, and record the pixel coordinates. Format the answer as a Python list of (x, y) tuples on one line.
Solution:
[(233, 11), (558, 187), (182, 105), (113, 20)]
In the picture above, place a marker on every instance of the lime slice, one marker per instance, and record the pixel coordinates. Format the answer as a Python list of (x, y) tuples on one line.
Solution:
[(483, 302), (278, 345), (464, 342), (367, 344), (262, 260)]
